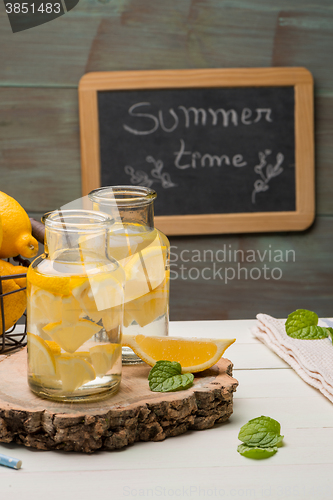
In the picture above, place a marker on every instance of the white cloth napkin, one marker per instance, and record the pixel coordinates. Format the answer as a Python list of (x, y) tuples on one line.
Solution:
[(311, 359)]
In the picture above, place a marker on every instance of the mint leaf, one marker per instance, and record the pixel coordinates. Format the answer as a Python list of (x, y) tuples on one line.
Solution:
[(261, 438), (310, 333), (300, 319), (261, 432), (330, 331), (257, 453), (302, 324), (166, 376)]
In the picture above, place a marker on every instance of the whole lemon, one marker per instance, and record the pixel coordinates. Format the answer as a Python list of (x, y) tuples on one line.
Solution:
[(0, 231), (6, 268), (14, 304), (16, 228)]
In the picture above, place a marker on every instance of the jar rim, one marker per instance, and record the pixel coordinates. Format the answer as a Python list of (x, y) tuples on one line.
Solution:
[(123, 196), (76, 220)]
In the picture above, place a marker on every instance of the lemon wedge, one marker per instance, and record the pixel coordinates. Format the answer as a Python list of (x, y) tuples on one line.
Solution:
[(104, 356), (70, 310), (70, 338), (112, 318), (40, 356), (147, 308), (83, 355), (145, 271), (97, 294), (74, 372), (194, 354), (55, 348), (44, 307), (82, 294)]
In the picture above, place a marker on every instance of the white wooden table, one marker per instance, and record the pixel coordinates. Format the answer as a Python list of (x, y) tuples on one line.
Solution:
[(202, 464)]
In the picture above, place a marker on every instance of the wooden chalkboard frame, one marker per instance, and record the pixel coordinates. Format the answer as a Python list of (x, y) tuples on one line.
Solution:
[(300, 78)]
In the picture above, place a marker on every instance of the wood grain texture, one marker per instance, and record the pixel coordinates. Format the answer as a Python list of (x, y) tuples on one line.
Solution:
[(89, 135), (169, 38), (51, 55), (143, 34), (196, 78), (39, 143), (324, 153), (138, 34), (133, 414), (241, 223), (306, 37)]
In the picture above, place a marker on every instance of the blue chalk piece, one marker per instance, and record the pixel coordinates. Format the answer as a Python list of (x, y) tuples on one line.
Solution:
[(14, 463)]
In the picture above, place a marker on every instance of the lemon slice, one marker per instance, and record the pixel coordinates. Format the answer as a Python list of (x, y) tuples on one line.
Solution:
[(44, 307), (105, 290), (103, 357), (55, 348), (83, 355), (145, 271), (40, 356), (58, 285), (74, 372), (70, 310), (77, 281), (147, 308), (97, 294), (194, 354), (112, 318), (88, 306), (70, 338)]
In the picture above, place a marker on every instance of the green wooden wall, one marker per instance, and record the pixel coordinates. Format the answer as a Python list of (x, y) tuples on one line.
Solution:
[(39, 133)]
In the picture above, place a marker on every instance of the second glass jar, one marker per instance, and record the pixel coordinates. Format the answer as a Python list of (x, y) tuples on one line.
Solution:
[(144, 253)]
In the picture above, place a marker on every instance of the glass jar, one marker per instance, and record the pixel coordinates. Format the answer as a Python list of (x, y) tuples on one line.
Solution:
[(144, 253), (75, 297)]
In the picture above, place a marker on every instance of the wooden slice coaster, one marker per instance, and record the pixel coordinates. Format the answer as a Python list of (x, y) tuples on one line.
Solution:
[(135, 413)]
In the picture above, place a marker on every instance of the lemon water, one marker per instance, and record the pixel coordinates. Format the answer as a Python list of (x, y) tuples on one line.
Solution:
[(74, 321), (144, 255)]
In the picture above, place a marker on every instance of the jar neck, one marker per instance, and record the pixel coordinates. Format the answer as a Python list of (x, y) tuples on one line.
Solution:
[(126, 204), (82, 232), (135, 215)]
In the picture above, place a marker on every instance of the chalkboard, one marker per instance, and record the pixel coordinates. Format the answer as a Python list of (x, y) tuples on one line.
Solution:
[(226, 150)]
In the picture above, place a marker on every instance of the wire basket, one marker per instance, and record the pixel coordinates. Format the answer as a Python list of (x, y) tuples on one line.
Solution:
[(11, 340)]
